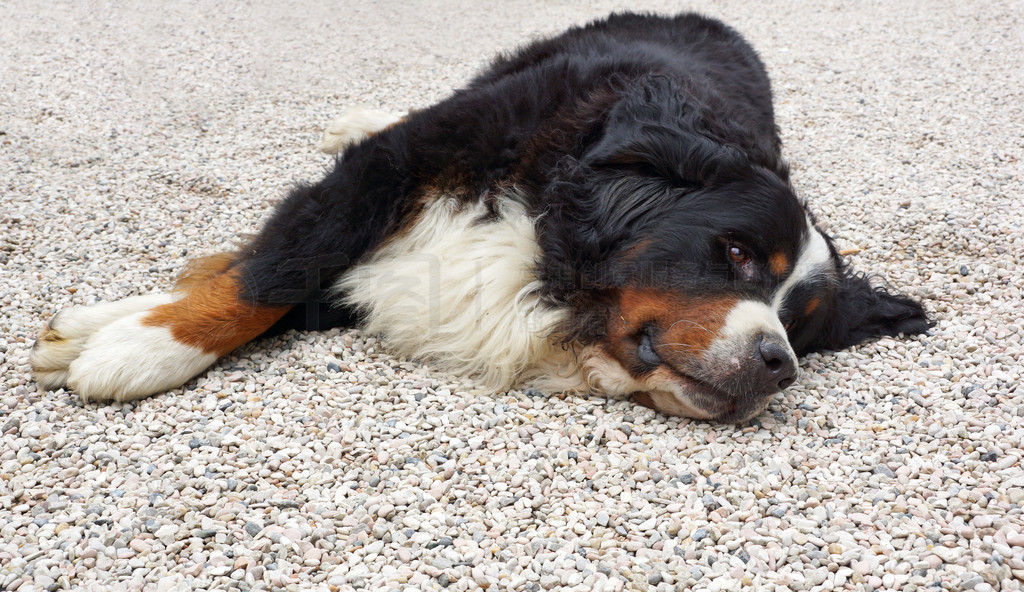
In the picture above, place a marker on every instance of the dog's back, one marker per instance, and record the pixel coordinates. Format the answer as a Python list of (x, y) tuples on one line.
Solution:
[(606, 210)]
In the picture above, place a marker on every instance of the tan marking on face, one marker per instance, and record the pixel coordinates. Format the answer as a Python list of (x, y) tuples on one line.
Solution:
[(687, 325), (212, 315), (778, 262), (812, 305)]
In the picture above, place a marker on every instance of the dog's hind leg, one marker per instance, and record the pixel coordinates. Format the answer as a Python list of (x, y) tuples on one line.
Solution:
[(125, 350), (140, 346), (352, 126)]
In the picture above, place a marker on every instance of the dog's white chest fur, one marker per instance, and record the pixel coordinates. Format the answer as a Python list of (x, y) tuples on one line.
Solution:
[(459, 287)]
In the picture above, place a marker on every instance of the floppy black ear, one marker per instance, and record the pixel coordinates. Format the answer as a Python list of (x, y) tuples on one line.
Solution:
[(863, 312), (654, 126)]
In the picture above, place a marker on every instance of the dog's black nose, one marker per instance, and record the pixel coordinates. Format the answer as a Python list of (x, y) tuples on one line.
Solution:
[(778, 368)]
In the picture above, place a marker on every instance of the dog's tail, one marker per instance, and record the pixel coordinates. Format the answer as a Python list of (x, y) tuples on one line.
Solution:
[(132, 348)]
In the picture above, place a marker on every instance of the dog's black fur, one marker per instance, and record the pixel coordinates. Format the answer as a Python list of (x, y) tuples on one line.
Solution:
[(626, 129), (668, 255)]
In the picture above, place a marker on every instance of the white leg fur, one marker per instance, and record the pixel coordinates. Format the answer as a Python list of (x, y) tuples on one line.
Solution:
[(104, 352), (67, 332), (127, 360), (353, 126)]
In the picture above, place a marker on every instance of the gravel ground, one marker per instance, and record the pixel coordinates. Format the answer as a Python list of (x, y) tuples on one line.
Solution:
[(130, 142)]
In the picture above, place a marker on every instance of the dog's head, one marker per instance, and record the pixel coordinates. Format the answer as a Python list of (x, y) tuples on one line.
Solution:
[(701, 275)]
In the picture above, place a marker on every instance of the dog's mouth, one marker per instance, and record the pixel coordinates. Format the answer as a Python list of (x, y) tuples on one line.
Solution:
[(676, 393)]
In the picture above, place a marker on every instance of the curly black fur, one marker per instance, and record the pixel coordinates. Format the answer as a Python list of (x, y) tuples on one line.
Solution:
[(640, 143)]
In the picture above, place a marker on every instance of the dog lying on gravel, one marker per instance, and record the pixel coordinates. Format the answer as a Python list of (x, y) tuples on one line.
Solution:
[(604, 211)]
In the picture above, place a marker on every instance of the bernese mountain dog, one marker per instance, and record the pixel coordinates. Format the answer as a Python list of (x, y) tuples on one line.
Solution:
[(604, 211)]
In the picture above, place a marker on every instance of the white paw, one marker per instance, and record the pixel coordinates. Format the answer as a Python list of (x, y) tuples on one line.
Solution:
[(353, 126), (65, 335), (128, 360), (105, 353)]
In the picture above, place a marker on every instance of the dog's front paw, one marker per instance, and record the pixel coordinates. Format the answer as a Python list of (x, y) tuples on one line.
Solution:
[(130, 359), (64, 337), (353, 126), (106, 352)]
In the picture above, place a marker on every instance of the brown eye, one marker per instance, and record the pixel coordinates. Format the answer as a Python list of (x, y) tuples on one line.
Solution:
[(737, 254)]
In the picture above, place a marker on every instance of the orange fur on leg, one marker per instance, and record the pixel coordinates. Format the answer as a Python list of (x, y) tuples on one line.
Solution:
[(203, 269), (212, 315)]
